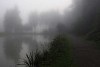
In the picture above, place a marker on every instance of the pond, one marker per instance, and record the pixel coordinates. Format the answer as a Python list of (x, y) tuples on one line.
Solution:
[(14, 48)]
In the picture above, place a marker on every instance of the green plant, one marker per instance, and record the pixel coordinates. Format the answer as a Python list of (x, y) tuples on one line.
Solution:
[(58, 55)]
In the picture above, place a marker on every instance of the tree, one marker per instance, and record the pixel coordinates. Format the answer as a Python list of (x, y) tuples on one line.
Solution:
[(88, 16), (12, 22), (32, 22), (62, 28)]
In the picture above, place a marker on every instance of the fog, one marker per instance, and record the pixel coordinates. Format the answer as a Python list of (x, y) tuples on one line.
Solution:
[(27, 6), (39, 7), (28, 25)]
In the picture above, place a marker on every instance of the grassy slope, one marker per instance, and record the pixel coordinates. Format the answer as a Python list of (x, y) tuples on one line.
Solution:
[(64, 58), (59, 55)]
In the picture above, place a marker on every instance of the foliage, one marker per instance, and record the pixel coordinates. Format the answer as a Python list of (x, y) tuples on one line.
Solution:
[(58, 55)]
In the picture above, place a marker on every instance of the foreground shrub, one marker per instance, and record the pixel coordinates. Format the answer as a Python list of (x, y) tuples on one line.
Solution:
[(58, 55)]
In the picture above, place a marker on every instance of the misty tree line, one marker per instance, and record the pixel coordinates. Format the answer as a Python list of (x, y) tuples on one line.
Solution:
[(13, 22), (83, 20), (88, 22)]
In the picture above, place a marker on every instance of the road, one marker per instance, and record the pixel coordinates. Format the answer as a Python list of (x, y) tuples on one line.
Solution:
[(84, 53)]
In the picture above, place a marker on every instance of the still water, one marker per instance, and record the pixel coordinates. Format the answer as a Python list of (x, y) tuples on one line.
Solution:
[(14, 48)]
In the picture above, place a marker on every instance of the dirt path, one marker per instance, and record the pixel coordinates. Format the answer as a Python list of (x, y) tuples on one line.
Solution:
[(84, 53)]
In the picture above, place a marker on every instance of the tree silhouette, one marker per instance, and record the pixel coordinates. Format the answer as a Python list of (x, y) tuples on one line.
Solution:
[(32, 22), (88, 17), (12, 22)]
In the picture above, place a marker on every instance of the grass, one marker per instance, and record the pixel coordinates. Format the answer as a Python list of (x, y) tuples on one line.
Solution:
[(64, 54), (58, 55)]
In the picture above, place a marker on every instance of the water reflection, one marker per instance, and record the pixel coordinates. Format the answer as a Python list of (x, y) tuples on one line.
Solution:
[(15, 47), (12, 47)]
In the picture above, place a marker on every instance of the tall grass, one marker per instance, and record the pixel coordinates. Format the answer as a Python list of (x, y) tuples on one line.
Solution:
[(29, 62)]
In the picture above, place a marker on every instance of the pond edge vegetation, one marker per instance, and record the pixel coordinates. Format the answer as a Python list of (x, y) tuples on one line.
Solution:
[(59, 54)]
